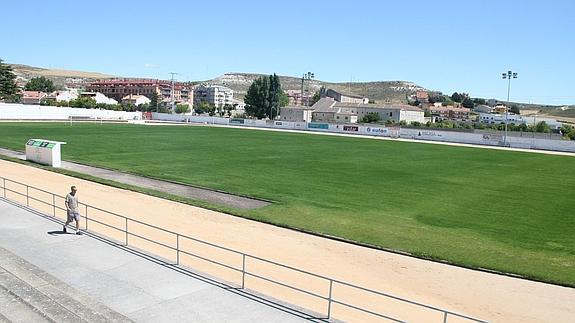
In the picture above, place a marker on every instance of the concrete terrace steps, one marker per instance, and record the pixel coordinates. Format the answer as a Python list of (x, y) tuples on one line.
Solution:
[(28, 294)]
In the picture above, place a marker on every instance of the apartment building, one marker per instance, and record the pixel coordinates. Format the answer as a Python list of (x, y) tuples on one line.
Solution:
[(214, 94), (119, 88), (449, 112)]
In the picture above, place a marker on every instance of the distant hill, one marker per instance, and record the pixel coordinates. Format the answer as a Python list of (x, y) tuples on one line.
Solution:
[(59, 77), (382, 91)]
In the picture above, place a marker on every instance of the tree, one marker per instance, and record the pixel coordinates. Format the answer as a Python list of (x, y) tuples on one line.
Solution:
[(514, 109), (446, 101), (316, 96), (228, 108), (204, 107), (478, 101), (9, 91), (182, 108), (456, 97), (256, 98), (433, 98), (154, 101), (542, 127), (41, 84), (264, 97), (467, 103), (568, 131), (371, 117), (83, 102)]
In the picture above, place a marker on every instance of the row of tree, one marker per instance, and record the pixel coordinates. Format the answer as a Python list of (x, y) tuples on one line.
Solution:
[(9, 91), (90, 103), (265, 97), (465, 100), (541, 126), (567, 130)]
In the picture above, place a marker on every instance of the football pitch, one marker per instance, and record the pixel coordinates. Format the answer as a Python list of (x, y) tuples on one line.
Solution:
[(502, 210)]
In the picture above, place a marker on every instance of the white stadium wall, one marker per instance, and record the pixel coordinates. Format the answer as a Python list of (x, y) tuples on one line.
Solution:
[(492, 139), (9, 111), (12, 111)]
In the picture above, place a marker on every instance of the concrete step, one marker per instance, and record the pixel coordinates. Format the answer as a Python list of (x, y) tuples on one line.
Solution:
[(15, 309), (28, 294)]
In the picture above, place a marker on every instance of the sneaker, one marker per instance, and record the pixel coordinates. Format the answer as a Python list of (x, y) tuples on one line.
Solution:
[(65, 231), (79, 233)]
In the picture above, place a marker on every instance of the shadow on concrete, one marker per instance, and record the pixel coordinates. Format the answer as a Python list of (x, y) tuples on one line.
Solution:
[(57, 233), (249, 294)]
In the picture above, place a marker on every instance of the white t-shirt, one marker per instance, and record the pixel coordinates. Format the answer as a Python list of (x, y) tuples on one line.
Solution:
[(72, 202)]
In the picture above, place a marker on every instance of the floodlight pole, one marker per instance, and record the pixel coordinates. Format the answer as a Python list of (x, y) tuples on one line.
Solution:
[(306, 76), (510, 74)]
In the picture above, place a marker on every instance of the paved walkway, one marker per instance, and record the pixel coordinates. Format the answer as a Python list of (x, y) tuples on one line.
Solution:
[(64, 275), (188, 191)]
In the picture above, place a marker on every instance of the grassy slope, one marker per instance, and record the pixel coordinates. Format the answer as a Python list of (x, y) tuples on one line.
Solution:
[(507, 211)]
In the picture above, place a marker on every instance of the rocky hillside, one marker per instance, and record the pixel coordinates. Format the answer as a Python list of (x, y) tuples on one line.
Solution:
[(383, 91), (59, 77)]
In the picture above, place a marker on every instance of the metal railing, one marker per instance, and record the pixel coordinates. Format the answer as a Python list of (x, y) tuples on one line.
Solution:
[(328, 296)]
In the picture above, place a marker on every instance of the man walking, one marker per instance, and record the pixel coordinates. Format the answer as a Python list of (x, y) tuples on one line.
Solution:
[(72, 209)]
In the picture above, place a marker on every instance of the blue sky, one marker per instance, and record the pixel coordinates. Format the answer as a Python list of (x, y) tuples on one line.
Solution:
[(442, 45)]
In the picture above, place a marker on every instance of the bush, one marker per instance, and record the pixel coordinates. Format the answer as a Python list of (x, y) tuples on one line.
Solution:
[(83, 102), (371, 117), (542, 127), (182, 108)]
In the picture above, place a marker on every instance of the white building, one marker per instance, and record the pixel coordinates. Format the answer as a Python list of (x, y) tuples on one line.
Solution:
[(239, 107), (329, 110), (496, 118), (392, 112), (99, 97), (482, 108), (67, 96), (136, 99), (213, 94), (296, 114)]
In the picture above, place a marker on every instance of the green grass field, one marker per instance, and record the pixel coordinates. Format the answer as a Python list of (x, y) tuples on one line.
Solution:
[(502, 210)]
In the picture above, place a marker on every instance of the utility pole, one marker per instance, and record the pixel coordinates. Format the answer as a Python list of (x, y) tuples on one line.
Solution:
[(172, 92)]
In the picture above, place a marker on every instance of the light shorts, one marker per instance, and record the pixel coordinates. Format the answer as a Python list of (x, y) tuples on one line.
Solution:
[(73, 215)]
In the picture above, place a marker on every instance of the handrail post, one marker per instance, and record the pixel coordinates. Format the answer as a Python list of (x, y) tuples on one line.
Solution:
[(126, 231), (329, 299), (444, 317), (177, 249), (27, 196), (243, 269), (86, 214), (54, 203)]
